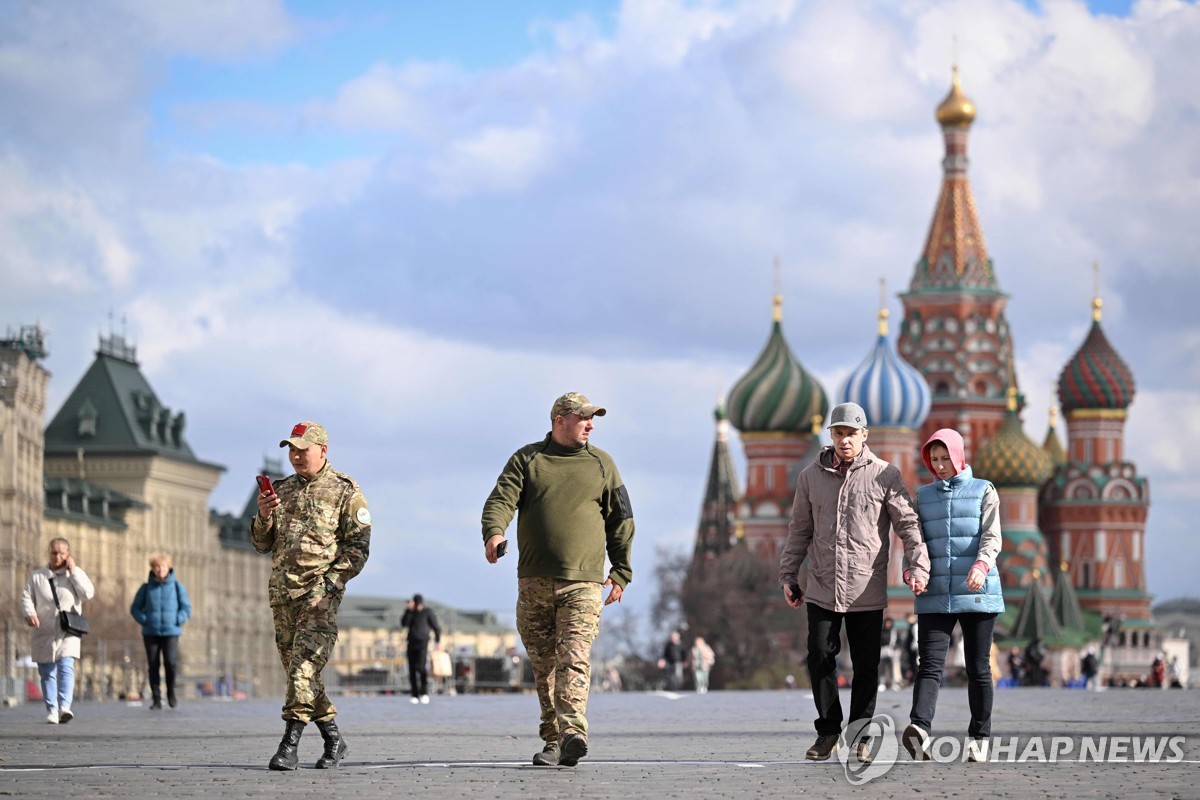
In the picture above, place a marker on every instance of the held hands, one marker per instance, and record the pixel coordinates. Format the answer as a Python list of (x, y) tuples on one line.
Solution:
[(915, 584), (614, 596)]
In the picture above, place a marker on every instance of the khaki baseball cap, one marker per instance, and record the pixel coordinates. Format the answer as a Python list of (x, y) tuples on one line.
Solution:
[(306, 434), (575, 403)]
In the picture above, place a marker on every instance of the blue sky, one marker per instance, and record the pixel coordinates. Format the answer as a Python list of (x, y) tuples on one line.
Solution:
[(421, 222)]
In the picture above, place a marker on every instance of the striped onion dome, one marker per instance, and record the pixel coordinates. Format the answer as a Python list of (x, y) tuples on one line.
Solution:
[(1095, 377), (892, 392), (777, 394), (1010, 458)]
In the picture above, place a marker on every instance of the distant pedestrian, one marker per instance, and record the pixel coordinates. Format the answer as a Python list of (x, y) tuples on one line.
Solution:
[(59, 586), (1016, 666), (420, 622), (889, 655), (672, 661), (574, 509), (317, 527), (702, 660), (161, 606), (1158, 671), (1035, 655), (1088, 667)]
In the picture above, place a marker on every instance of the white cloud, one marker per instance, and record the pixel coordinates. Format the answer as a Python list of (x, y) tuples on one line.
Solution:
[(497, 159)]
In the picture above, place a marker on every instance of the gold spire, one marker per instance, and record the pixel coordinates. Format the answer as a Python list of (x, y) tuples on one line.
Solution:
[(1096, 301), (1012, 396), (883, 312), (1053, 416), (956, 109), (777, 300), (816, 421)]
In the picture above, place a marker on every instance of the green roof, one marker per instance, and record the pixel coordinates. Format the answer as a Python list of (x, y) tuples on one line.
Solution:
[(113, 409)]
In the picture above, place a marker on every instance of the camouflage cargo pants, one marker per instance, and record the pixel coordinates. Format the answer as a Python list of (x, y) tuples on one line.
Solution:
[(305, 637), (558, 620)]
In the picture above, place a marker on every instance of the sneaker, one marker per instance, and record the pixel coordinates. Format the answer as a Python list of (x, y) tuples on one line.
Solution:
[(574, 747), (822, 748), (863, 751), (413, 700), (548, 757), (425, 699), (65, 716), (916, 742), (977, 749), (52, 717)]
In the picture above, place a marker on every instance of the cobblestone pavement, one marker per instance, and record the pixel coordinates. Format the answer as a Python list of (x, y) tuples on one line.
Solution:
[(723, 744)]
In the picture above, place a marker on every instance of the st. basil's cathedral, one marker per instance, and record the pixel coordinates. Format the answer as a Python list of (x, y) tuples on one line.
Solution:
[(1073, 518)]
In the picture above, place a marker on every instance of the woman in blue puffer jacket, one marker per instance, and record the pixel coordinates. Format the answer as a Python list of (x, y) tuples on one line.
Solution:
[(161, 606), (960, 523)]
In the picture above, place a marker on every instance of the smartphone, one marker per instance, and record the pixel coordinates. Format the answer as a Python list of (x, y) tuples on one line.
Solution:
[(502, 548), (794, 588), (264, 484)]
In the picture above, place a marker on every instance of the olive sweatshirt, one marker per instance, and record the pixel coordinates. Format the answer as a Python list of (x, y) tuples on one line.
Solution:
[(573, 508)]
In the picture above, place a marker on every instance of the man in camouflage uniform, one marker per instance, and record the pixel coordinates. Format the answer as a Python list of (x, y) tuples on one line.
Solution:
[(318, 530), (573, 509)]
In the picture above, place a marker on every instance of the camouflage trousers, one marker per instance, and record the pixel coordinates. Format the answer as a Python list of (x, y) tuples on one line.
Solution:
[(558, 620), (305, 637)]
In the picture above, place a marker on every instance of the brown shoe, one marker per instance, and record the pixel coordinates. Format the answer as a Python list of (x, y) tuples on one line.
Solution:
[(822, 748)]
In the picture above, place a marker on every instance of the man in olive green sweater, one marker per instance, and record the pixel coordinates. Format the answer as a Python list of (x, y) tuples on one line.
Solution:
[(573, 509)]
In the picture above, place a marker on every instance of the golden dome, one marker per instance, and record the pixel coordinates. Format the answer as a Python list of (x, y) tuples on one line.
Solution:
[(956, 109)]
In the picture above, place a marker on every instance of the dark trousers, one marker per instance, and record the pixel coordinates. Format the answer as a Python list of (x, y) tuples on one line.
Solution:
[(418, 676), (166, 649), (933, 640), (824, 642)]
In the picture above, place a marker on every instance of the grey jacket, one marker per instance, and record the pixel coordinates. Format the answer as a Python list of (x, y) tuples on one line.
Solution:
[(841, 525)]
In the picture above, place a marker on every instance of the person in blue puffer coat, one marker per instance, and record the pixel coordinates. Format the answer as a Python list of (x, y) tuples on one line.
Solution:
[(960, 523), (161, 607)]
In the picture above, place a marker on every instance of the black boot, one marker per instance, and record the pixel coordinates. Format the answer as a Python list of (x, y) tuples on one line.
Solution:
[(285, 757), (335, 745)]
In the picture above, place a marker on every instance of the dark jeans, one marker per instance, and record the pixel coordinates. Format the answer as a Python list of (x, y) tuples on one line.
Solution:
[(418, 676), (934, 640), (824, 643), (166, 648)]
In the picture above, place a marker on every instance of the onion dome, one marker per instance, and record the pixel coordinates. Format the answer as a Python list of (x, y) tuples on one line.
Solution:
[(1096, 377), (892, 392), (1052, 446), (1010, 458), (777, 394), (956, 110)]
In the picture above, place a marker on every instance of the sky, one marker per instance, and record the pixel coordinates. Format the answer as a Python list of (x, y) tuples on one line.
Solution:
[(419, 223)]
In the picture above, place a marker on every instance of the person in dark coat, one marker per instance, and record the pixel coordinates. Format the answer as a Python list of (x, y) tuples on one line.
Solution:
[(161, 606), (420, 621)]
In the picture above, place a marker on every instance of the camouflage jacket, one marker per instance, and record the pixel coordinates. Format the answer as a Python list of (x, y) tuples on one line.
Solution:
[(319, 537)]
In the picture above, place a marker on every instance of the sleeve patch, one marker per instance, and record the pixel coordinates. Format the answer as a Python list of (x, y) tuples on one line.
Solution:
[(363, 516), (624, 508)]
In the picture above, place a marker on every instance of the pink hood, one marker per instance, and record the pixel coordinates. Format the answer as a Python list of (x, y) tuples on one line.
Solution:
[(953, 441)]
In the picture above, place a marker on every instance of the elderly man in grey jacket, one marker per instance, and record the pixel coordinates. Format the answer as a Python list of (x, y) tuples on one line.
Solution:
[(846, 503)]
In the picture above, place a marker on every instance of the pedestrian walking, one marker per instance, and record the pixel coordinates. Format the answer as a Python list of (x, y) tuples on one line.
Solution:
[(161, 606)]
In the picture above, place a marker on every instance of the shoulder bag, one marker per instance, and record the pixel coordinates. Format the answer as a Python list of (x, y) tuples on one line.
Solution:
[(72, 624)]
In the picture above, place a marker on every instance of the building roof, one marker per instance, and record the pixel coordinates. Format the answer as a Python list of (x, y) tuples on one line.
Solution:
[(113, 409), (1052, 446), (1096, 377), (777, 394), (718, 514), (1010, 458), (375, 612), (1064, 602), (80, 500), (1035, 620), (892, 392)]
